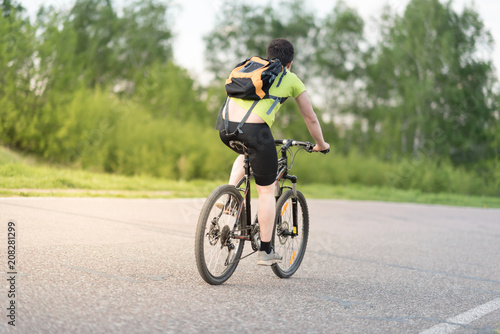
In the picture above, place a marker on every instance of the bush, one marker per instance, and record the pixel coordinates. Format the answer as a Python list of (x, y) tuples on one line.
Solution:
[(409, 173)]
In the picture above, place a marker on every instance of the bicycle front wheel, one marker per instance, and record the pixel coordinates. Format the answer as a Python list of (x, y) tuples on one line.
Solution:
[(289, 238), (216, 250)]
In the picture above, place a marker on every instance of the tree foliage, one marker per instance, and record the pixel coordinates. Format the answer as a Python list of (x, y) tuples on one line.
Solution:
[(98, 87), (422, 88), (243, 30), (432, 92)]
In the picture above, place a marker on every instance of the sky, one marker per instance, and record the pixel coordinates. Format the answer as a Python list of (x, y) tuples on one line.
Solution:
[(196, 18)]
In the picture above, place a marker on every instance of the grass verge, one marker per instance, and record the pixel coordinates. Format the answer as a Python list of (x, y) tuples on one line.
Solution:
[(24, 176), (357, 192), (19, 179), (25, 180)]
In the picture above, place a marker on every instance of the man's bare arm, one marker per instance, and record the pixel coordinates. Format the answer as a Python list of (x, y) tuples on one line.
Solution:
[(312, 122)]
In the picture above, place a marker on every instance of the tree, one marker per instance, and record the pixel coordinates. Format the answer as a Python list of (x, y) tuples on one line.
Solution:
[(339, 51), (431, 93), (10, 6), (245, 30), (145, 38), (59, 69), (340, 62), (17, 71), (167, 91), (94, 46), (95, 24)]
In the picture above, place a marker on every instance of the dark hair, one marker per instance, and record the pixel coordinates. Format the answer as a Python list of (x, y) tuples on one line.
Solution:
[(282, 49)]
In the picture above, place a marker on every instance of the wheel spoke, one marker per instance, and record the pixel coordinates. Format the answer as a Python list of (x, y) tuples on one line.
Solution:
[(291, 247), (213, 236)]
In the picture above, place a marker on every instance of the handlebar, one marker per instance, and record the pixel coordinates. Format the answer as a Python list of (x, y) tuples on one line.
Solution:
[(286, 143)]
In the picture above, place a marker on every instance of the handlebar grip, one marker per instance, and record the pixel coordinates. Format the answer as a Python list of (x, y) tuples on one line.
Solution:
[(325, 151), (279, 141)]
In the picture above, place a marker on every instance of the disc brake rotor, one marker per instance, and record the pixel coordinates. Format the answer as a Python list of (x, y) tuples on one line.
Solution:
[(282, 229)]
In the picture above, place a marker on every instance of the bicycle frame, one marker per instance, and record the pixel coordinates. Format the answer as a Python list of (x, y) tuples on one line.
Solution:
[(245, 230), (283, 172), (282, 175)]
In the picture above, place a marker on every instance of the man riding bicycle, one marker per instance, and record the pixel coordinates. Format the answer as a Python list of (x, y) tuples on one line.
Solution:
[(257, 137)]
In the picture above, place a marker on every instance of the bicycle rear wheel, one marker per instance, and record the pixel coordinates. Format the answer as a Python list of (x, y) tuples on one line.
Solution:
[(216, 251), (290, 244)]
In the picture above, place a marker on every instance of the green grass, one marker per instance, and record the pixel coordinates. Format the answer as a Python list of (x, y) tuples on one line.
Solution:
[(7, 156), (356, 192), (24, 176), (21, 176), (26, 180)]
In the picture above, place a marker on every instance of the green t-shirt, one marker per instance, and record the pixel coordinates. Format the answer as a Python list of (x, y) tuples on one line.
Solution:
[(291, 86)]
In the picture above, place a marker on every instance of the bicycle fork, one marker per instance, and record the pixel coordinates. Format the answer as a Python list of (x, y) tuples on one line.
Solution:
[(295, 210)]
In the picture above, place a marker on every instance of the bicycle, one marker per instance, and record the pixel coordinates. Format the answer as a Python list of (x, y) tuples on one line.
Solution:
[(224, 222)]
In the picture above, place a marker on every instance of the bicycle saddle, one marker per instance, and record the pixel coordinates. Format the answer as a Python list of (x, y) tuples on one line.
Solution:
[(239, 146)]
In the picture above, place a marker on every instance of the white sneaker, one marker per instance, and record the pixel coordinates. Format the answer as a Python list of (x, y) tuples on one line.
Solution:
[(265, 259)]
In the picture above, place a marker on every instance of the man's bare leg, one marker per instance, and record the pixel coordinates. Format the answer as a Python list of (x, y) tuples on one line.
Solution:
[(238, 170)]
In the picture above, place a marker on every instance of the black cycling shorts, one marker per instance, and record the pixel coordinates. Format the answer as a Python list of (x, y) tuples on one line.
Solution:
[(261, 149)]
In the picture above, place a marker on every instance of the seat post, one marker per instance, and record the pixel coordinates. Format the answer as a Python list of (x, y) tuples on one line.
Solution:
[(246, 165), (248, 196), (240, 147)]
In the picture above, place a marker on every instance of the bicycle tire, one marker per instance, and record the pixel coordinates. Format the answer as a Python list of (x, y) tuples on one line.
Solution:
[(291, 248), (214, 259)]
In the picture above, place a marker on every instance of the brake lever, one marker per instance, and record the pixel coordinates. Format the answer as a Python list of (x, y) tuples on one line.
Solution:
[(309, 148)]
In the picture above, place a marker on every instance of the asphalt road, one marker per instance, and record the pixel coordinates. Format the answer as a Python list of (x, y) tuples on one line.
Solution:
[(127, 266)]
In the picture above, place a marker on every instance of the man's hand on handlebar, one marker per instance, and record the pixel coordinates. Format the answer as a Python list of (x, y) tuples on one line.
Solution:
[(325, 148)]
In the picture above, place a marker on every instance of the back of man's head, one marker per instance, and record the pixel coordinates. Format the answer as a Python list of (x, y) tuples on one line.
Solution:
[(282, 49)]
